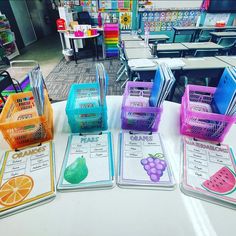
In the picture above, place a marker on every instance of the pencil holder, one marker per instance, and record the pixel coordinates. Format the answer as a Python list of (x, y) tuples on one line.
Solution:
[(136, 113), (198, 120), (83, 109), (20, 123)]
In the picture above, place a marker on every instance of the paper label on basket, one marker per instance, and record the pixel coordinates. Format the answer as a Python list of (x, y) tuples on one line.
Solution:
[(143, 161), (88, 162), (26, 177), (209, 171)]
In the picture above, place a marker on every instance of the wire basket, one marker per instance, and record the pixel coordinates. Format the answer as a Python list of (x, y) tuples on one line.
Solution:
[(20, 123), (198, 120), (136, 113)]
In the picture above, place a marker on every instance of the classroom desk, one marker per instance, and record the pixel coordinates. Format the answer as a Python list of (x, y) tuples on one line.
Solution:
[(201, 63), (129, 37), (195, 30), (231, 60), (171, 47), (156, 37), (217, 35), (123, 211), (72, 38), (134, 44), (202, 45), (137, 53)]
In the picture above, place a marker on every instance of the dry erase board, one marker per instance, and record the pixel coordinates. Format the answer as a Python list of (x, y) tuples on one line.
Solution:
[(153, 5)]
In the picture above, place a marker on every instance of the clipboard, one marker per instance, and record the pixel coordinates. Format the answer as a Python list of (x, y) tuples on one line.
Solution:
[(209, 172), (143, 162), (27, 178), (88, 163)]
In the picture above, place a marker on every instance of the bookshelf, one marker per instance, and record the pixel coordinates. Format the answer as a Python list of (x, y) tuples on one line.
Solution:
[(7, 38)]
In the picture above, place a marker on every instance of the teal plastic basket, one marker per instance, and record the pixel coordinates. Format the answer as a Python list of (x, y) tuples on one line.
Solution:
[(83, 109)]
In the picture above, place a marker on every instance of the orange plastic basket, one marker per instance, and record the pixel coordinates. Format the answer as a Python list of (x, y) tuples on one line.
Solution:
[(20, 123)]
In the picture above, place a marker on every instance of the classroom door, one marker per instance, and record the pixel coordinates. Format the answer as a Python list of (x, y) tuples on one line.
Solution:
[(22, 16)]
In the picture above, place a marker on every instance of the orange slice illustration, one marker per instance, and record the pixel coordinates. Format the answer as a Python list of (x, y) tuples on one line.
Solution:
[(15, 190)]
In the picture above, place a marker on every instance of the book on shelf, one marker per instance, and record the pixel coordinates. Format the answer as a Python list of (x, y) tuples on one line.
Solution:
[(209, 172), (88, 163), (143, 162), (27, 178)]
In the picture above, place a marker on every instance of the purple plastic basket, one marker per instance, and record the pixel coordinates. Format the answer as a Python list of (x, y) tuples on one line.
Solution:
[(139, 118), (202, 124)]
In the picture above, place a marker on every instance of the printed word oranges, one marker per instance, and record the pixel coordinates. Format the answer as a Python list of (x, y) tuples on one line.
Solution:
[(15, 190)]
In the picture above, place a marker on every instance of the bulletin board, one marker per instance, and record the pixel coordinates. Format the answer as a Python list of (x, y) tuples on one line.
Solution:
[(165, 20), (154, 5), (89, 5), (115, 5)]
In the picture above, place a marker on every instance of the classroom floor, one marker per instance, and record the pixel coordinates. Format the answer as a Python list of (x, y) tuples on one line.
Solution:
[(60, 74)]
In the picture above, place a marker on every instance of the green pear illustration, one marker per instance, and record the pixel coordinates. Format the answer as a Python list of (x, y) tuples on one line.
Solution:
[(77, 171)]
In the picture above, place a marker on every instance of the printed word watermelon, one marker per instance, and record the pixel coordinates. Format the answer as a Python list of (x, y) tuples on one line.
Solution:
[(222, 182)]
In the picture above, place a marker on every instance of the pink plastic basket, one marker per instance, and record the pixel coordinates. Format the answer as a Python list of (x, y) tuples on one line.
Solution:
[(139, 118), (196, 121)]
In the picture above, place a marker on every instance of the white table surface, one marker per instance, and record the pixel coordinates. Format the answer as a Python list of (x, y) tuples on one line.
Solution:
[(72, 36), (198, 63), (118, 211), (202, 45), (231, 60), (223, 34), (129, 37), (171, 47), (156, 36), (134, 44), (138, 53)]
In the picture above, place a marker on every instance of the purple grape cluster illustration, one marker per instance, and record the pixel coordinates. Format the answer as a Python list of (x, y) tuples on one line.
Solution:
[(154, 166)]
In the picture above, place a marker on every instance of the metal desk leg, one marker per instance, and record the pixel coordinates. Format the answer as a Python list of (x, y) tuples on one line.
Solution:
[(73, 47), (62, 40), (96, 45), (174, 36)]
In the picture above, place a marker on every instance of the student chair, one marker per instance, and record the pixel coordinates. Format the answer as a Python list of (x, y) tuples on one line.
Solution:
[(205, 53), (228, 43), (123, 69)]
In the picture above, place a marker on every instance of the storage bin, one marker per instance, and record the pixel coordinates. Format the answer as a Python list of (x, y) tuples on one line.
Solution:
[(197, 120), (141, 118), (20, 123), (83, 109)]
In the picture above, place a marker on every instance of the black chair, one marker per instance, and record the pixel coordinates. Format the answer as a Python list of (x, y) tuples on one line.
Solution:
[(5, 82), (205, 52), (84, 18)]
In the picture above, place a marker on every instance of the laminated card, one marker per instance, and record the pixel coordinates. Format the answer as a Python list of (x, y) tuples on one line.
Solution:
[(143, 162), (88, 162), (26, 178), (209, 172)]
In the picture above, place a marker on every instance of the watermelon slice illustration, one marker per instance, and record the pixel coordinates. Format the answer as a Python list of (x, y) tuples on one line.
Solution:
[(222, 182)]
